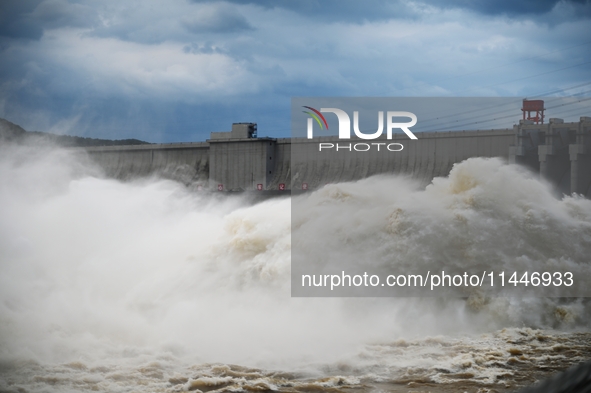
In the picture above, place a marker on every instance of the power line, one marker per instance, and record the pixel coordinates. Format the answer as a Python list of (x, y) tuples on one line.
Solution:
[(450, 123), (513, 62), (511, 115), (527, 77)]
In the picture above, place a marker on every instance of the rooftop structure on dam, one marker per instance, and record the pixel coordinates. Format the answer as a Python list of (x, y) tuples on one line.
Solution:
[(238, 160)]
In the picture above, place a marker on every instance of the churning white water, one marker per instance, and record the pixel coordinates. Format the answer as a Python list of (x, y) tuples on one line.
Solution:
[(114, 286)]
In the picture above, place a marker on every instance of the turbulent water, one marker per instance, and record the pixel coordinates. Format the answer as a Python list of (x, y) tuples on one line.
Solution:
[(152, 286)]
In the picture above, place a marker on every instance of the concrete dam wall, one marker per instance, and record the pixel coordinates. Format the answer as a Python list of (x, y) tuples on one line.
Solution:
[(432, 155), (239, 161), (187, 162)]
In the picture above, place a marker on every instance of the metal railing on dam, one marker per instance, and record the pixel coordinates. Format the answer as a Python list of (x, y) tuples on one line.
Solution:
[(559, 151)]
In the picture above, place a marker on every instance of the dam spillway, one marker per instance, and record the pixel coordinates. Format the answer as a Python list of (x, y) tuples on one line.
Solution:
[(238, 161)]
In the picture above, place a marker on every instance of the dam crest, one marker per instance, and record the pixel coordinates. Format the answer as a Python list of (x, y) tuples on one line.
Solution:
[(239, 161)]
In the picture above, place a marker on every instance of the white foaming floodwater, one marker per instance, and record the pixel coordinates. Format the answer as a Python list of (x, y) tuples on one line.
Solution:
[(102, 272)]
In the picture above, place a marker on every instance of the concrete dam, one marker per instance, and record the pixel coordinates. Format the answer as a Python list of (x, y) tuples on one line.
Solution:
[(238, 160)]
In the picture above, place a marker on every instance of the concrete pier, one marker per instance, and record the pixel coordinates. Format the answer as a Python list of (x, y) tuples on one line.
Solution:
[(580, 159), (559, 151), (554, 154)]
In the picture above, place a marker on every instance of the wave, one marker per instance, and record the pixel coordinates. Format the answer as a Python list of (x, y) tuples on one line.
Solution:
[(118, 275)]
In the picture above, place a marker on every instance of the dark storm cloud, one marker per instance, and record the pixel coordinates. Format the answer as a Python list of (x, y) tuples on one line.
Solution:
[(147, 23), (173, 71), (29, 18), (507, 7), (336, 10), (16, 20), (217, 20), (154, 23), (375, 10)]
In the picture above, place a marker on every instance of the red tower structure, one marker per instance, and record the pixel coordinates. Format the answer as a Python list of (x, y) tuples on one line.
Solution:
[(536, 107)]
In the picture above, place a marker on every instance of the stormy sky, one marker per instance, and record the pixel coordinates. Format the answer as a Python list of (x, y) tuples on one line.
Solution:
[(175, 70)]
